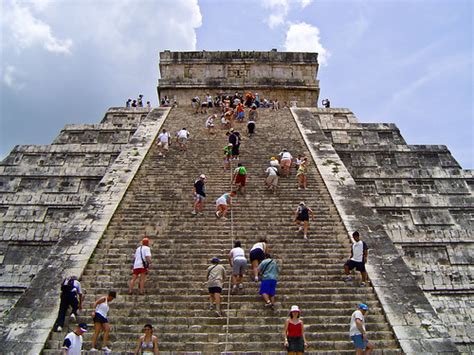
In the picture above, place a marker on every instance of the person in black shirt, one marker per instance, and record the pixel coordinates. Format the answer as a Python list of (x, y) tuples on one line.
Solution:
[(199, 194), (302, 214)]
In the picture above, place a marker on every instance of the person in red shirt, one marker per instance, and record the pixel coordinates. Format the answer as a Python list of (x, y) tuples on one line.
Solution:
[(293, 334)]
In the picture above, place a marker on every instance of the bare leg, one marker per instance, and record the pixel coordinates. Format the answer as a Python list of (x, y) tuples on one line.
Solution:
[(106, 328), (97, 328), (142, 283), (132, 283)]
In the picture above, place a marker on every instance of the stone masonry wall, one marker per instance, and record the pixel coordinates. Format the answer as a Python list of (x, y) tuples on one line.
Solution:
[(426, 203), (42, 187), (284, 75)]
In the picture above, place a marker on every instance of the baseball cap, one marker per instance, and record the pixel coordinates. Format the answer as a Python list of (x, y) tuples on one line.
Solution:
[(83, 327), (202, 176), (215, 260), (145, 241), (363, 306)]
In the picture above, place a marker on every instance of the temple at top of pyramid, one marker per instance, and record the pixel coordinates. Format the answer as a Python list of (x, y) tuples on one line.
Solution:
[(80, 205)]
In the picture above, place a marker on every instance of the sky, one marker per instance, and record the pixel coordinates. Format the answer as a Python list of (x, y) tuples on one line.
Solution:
[(408, 62)]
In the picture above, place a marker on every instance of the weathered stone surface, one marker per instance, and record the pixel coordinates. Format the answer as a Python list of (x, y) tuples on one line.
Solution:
[(422, 196), (287, 76)]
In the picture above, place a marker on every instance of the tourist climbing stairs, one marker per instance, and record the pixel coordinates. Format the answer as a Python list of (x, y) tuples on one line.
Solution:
[(158, 203)]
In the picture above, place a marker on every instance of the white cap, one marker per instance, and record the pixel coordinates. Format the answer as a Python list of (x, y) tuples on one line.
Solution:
[(295, 308), (202, 176)]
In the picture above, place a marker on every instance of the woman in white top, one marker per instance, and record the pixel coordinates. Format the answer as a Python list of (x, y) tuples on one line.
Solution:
[(239, 263), (257, 255), (99, 315)]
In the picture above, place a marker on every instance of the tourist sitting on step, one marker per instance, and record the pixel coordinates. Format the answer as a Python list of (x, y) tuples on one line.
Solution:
[(358, 259), (101, 323), (293, 333), (210, 124), (223, 204), (163, 143), (215, 281), (141, 263), (302, 215), (148, 343), (257, 255), (357, 331), (285, 162), (268, 271), (301, 177), (182, 138), (239, 178), (71, 296), (238, 262)]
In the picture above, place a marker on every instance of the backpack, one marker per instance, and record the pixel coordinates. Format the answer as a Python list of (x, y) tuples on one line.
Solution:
[(67, 285), (242, 171)]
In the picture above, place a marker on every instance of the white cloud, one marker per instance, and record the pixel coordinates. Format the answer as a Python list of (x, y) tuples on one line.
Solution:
[(28, 31), (10, 77), (303, 37), (279, 10)]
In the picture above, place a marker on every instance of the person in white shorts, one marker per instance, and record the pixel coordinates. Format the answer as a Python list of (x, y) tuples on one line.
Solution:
[(239, 264), (182, 138), (163, 142)]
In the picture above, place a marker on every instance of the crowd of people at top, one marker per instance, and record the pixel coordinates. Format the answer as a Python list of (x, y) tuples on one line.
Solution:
[(264, 268), (137, 103)]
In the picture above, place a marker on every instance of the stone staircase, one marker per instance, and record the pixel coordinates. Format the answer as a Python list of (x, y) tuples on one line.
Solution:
[(159, 202)]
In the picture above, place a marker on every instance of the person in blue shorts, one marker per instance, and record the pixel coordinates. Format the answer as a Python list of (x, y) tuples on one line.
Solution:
[(357, 331), (269, 271)]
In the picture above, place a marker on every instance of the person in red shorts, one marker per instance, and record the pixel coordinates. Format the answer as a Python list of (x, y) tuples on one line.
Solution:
[(142, 261), (240, 178)]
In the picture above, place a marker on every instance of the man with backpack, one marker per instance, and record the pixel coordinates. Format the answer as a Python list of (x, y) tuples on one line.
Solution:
[(142, 261), (71, 296), (240, 178)]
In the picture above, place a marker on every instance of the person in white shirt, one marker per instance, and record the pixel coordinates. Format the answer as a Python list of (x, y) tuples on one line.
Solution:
[(72, 344), (285, 161), (271, 181), (163, 142), (182, 137), (210, 123), (238, 262), (142, 261), (358, 259), (357, 331)]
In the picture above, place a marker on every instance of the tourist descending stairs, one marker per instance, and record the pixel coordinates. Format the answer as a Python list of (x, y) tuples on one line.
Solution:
[(159, 202)]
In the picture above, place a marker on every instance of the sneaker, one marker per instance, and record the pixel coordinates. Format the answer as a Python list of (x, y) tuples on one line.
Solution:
[(211, 306), (348, 278), (241, 286), (256, 278), (106, 349), (362, 284), (224, 218), (300, 229), (218, 215), (72, 317), (59, 329), (194, 213), (268, 305), (93, 349), (218, 313), (305, 236)]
